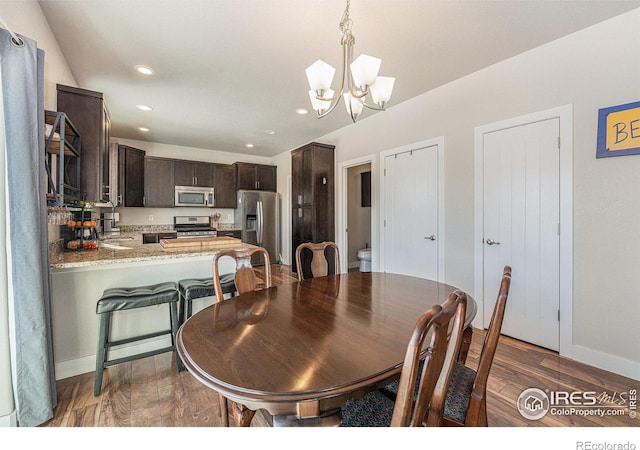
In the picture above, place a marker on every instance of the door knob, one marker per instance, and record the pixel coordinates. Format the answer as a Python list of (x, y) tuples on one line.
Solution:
[(431, 238), (492, 242)]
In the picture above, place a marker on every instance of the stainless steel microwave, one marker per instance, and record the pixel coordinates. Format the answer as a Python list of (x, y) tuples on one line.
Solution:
[(195, 196)]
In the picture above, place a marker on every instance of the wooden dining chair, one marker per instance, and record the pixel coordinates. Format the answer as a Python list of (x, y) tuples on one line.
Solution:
[(422, 386), (246, 281), (319, 260), (466, 401), (245, 276)]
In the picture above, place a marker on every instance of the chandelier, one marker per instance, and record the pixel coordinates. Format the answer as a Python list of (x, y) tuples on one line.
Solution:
[(357, 83)]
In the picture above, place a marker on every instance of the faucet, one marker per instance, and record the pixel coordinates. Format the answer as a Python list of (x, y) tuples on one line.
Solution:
[(113, 213)]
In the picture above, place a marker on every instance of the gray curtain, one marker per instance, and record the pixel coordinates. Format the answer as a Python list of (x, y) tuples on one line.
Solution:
[(22, 72)]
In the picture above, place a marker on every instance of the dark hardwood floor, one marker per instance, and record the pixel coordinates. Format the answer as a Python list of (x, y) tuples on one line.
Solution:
[(151, 393)]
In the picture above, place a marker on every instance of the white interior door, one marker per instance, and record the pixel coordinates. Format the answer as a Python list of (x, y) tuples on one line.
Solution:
[(411, 212), (521, 226)]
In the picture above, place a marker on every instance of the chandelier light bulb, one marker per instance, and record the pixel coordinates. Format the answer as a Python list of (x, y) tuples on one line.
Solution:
[(320, 75), (364, 70), (353, 105), (320, 105), (381, 90)]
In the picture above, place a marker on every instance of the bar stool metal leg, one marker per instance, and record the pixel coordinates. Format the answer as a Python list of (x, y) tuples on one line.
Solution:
[(173, 311), (101, 354)]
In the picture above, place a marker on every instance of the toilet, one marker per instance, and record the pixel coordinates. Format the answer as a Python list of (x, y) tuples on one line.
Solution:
[(364, 255)]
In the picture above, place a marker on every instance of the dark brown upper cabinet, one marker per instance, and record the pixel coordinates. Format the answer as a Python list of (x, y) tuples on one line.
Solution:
[(259, 177), (193, 173), (158, 182), (88, 111), (130, 176), (224, 184)]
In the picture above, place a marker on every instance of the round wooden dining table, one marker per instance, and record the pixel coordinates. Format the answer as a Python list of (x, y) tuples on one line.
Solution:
[(301, 350)]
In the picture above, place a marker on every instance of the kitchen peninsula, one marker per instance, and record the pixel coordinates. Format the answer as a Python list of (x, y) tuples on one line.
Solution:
[(79, 278)]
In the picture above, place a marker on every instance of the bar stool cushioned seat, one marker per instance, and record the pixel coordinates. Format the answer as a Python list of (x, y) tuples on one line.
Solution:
[(125, 298), (194, 288)]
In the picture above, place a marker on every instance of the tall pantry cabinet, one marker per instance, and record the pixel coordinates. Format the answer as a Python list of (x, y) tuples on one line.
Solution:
[(88, 111), (312, 196)]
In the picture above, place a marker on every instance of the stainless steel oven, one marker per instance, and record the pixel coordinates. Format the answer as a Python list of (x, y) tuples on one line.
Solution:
[(193, 226)]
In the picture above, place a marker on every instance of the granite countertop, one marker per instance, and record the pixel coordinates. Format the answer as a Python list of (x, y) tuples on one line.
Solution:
[(126, 248)]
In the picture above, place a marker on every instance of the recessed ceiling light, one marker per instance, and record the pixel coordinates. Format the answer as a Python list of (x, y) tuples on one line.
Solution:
[(143, 129), (272, 132), (249, 145), (302, 111), (145, 70), (144, 107)]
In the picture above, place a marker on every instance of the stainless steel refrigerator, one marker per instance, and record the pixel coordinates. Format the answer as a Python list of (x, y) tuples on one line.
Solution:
[(258, 215)]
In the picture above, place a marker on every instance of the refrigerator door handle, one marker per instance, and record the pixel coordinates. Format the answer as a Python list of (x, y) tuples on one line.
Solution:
[(260, 222)]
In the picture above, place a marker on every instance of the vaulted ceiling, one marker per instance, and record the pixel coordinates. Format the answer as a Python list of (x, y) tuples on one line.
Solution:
[(228, 70)]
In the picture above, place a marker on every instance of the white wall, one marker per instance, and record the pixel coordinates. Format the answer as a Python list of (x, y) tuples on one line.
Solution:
[(25, 17), (591, 69), (283, 161)]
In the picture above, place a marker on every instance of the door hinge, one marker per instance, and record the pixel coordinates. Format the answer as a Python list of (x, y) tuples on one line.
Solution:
[(558, 229), (385, 223), (558, 315), (558, 142), (385, 173)]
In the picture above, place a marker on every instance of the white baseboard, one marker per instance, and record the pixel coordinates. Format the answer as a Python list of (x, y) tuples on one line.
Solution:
[(9, 420), (611, 363), (73, 367)]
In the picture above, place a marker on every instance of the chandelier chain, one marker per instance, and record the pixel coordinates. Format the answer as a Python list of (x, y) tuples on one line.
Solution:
[(345, 26)]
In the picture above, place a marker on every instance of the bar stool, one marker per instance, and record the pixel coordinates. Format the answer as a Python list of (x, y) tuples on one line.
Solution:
[(194, 288), (121, 299)]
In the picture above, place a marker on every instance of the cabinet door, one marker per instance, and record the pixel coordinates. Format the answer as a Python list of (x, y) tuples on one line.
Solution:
[(158, 183), (224, 184), (302, 231), (296, 178), (183, 173), (302, 176), (131, 175), (266, 177), (87, 111), (230, 233), (245, 176), (302, 219), (203, 174), (307, 178)]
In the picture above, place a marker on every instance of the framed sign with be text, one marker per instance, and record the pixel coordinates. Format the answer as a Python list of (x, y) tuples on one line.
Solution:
[(619, 130)]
